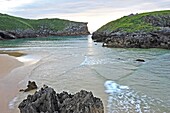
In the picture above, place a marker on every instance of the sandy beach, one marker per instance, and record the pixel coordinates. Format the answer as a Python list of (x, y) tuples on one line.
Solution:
[(8, 85), (7, 63)]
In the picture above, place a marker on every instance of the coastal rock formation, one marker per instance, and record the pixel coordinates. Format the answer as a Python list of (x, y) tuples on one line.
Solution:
[(44, 31), (31, 86), (148, 30), (155, 39), (15, 27), (71, 30), (47, 101)]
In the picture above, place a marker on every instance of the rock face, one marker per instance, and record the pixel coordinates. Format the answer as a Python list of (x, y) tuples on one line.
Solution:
[(6, 35), (159, 38), (160, 21), (47, 101), (155, 39)]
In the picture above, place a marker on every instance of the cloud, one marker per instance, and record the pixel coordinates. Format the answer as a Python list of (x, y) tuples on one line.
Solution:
[(96, 12), (9, 5)]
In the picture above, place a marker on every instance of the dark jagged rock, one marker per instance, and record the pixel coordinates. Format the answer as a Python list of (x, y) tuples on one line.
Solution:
[(31, 86), (47, 101)]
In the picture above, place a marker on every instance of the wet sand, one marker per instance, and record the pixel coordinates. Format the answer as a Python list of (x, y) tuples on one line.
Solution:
[(13, 53), (8, 84), (8, 63)]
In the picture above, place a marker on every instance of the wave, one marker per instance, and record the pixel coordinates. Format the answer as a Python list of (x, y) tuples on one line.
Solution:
[(95, 61), (123, 99)]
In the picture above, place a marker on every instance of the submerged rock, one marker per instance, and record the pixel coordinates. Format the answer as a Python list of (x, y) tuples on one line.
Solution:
[(140, 60), (47, 101)]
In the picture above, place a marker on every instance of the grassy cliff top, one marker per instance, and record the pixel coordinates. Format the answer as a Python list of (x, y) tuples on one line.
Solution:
[(8, 22), (138, 22)]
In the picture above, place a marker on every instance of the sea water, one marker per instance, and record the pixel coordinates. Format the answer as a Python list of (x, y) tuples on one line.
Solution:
[(113, 74)]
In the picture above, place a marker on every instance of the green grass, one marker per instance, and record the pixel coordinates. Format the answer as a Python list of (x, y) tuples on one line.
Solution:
[(134, 23), (8, 22)]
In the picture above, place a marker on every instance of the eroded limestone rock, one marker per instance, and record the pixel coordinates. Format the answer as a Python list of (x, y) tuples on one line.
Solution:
[(47, 101)]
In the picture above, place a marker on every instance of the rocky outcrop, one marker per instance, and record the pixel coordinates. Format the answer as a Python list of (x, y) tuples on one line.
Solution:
[(158, 38), (31, 86), (43, 31), (155, 39), (47, 101)]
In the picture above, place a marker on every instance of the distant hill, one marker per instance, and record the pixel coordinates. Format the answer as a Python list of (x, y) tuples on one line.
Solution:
[(21, 27), (145, 30)]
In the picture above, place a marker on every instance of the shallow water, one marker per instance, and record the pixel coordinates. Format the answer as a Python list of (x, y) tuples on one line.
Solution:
[(74, 63)]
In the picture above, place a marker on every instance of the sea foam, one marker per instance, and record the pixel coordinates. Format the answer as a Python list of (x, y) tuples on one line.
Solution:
[(124, 99)]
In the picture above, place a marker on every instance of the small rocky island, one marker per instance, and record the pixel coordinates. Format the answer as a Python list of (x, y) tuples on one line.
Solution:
[(46, 100), (146, 30), (15, 27)]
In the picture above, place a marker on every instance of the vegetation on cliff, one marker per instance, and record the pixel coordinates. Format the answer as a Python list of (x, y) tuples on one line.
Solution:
[(11, 23), (146, 30), (15, 27), (144, 22)]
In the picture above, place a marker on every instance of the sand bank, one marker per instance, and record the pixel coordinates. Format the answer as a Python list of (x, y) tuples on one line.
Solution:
[(14, 67), (13, 53)]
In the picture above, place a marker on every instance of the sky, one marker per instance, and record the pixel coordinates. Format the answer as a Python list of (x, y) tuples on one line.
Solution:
[(95, 12)]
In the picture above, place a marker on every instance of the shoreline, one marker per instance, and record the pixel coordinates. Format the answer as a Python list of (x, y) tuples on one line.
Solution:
[(18, 77), (8, 63), (8, 84), (17, 65)]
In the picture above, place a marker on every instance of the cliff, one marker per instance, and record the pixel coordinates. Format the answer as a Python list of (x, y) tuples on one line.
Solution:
[(15, 27), (146, 30)]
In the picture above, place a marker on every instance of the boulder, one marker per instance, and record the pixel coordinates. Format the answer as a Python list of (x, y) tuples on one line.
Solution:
[(31, 86), (46, 100)]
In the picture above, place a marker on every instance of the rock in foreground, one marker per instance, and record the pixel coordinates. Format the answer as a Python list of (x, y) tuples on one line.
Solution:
[(47, 101)]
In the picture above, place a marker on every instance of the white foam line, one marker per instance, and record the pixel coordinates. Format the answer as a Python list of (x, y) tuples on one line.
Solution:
[(123, 99)]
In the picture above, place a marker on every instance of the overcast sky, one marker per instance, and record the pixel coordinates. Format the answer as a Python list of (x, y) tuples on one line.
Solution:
[(95, 12)]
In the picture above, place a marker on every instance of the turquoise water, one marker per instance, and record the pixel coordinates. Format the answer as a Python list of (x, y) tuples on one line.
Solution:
[(74, 63)]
